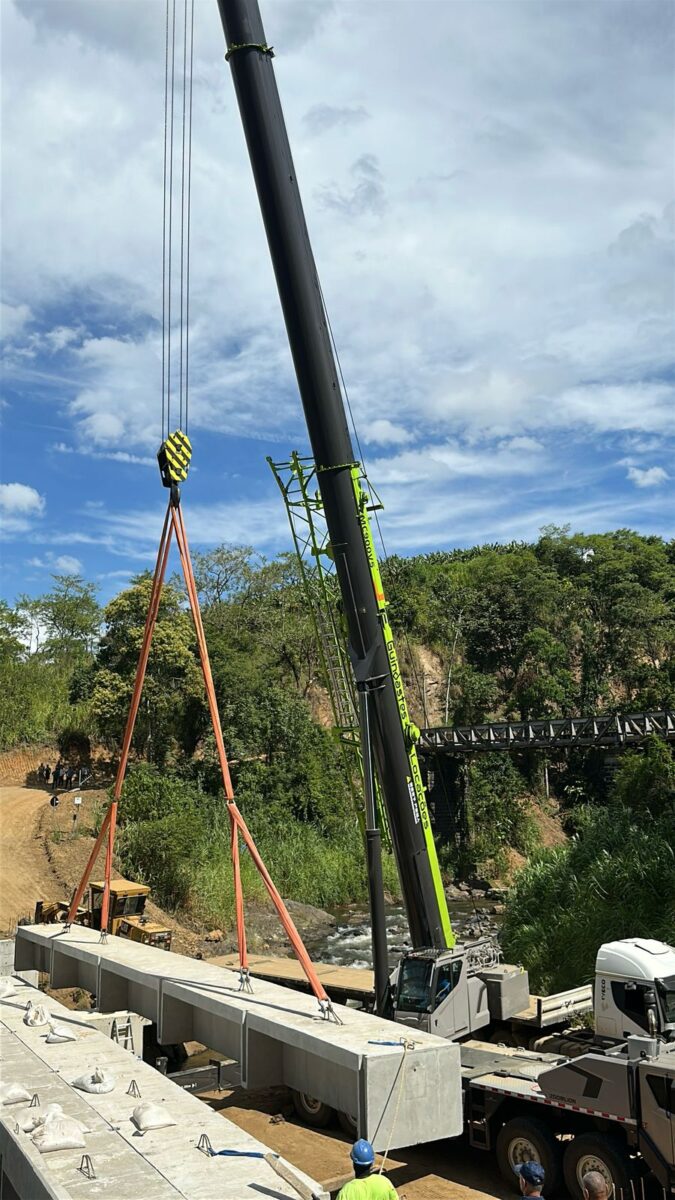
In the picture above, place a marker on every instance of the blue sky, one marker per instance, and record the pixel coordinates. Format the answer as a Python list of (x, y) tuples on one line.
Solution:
[(491, 203)]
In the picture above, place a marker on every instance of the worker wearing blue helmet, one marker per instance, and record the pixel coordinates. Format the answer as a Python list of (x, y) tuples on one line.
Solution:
[(367, 1184)]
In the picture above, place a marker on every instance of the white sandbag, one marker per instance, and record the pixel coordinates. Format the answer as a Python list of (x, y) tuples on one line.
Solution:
[(60, 1033), (36, 1014), (39, 1116), (13, 1093), (151, 1116), (61, 1133), (95, 1081), (7, 987)]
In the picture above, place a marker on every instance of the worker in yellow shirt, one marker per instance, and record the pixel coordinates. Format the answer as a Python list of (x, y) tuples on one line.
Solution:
[(366, 1185)]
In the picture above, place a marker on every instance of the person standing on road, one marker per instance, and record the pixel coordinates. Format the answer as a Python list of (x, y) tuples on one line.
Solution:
[(594, 1186), (366, 1185), (531, 1176)]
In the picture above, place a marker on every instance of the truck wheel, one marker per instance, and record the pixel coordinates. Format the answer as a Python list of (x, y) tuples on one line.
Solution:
[(597, 1152), (348, 1125), (312, 1112), (525, 1139)]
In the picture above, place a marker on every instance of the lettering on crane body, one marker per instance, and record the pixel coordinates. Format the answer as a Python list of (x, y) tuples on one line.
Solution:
[(415, 785)]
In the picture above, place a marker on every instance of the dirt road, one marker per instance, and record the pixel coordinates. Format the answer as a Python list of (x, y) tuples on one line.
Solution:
[(25, 874)]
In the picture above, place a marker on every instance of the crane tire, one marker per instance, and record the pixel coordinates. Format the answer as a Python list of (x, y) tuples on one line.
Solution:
[(525, 1139), (597, 1152), (313, 1112)]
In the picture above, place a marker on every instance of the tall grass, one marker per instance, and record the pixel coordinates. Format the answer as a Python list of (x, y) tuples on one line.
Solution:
[(305, 866)]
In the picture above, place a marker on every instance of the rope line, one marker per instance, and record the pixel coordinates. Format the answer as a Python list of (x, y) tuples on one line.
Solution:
[(176, 227), (166, 131), (189, 210), (173, 84), (182, 219)]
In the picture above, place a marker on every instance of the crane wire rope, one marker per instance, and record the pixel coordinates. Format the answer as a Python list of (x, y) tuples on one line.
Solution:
[(182, 220), (385, 555), (171, 139), (189, 210), (176, 228), (166, 131)]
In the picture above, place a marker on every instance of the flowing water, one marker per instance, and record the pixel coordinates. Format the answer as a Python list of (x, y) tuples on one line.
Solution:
[(349, 945)]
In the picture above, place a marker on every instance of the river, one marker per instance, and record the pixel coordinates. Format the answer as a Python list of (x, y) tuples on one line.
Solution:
[(349, 944)]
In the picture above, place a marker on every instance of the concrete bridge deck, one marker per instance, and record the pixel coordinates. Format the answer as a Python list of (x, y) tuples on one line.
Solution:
[(401, 1095), (163, 1164)]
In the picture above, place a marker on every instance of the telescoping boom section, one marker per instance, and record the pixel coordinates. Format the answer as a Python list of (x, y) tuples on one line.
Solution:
[(345, 504)]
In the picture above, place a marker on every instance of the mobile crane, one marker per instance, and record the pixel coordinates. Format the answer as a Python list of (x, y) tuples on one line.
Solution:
[(616, 1100)]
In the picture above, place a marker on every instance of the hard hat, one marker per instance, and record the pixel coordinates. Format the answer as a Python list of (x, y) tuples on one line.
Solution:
[(362, 1153)]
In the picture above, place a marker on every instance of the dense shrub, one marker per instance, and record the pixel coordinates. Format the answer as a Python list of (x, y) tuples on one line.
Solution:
[(615, 878)]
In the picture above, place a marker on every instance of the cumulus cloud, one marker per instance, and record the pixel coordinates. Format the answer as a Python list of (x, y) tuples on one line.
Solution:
[(386, 433), (20, 499), (20, 506), (647, 477)]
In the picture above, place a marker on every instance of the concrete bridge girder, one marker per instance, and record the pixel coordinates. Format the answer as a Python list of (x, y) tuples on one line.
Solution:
[(400, 1095)]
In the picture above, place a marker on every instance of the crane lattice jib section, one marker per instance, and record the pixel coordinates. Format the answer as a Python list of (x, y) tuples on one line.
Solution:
[(298, 484)]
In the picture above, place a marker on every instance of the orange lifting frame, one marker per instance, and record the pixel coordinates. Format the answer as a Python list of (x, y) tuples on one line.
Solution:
[(174, 524)]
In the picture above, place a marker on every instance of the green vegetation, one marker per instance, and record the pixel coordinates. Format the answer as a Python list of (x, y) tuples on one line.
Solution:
[(177, 839), (614, 878), (570, 624)]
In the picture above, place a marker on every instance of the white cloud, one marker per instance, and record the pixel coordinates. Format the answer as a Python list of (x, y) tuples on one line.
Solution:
[(645, 477), (20, 506), (385, 433), (13, 318), (18, 499), (65, 564), (68, 564), (111, 455)]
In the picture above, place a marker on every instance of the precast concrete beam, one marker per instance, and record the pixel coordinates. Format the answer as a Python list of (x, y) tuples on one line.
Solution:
[(402, 1086)]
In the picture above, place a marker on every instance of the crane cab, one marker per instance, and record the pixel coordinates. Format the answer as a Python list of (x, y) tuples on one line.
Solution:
[(454, 993)]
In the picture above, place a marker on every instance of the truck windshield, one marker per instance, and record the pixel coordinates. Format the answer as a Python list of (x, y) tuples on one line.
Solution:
[(666, 990), (414, 985)]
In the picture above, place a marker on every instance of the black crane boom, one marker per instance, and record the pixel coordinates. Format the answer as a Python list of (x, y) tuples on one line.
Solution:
[(251, 61)]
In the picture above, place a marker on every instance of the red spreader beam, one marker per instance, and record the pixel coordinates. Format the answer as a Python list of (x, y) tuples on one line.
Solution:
[(175, 524)]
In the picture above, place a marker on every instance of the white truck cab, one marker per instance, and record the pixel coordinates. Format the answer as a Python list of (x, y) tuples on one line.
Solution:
[(635, 989)]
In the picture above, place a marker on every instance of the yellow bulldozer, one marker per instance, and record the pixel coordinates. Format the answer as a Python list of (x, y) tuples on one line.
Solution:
[(126, 915)]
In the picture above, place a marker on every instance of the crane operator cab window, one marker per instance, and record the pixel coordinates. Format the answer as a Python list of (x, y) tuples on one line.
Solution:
[(421, 988), (447, 979)]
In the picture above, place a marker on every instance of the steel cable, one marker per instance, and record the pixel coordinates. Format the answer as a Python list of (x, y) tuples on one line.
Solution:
[(166, 130), (182, 219), (173, 82), (187, 248)]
